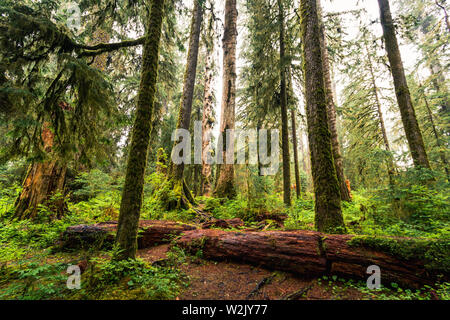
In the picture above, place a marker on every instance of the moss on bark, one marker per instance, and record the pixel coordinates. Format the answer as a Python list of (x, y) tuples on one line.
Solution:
[(126, 238), (328, 214)]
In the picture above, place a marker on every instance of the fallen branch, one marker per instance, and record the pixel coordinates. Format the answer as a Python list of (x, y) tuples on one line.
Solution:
[(298, 294), (261, 284)]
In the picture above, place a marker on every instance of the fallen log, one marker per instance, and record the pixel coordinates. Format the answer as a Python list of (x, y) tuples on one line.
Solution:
[(151, 232), (408, 262)]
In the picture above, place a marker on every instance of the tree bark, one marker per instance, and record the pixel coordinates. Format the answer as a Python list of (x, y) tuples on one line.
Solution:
[(184, 195), (284, 115), (412, 130), (184, 115), (43, 180), (331, 113), (225, 187), (311, 253), (207, 119), (130, 207), (296, 169), (328, 214)]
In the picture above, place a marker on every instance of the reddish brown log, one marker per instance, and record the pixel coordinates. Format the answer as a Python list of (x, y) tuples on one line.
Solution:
[(282, 250), (309, 253), (151, 232)]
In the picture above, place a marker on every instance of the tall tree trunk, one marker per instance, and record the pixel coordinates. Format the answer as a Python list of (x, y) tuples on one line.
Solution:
[(225, 187), (328, 214), (412, 130), (207, 119), (258, 127), (436, 135), (185, 198), (294, 141), (294, 136), (331, 112), (130, 207), (391, 167), (43, 180), (284, 115), (440, 85)]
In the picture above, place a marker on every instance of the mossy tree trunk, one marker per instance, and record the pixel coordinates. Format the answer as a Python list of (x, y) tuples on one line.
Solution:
[(284, 116), (126, 238), (184, 196), (328, 214), (294, 142), (412, 130), (331, 112), (43, 180), (225, 186), (207, 117)]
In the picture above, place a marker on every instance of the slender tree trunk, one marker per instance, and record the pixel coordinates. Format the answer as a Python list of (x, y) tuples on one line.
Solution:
[(258, 127), (43, 180), (284, 115), (412, 130), (439, 83), (225, 187), (185, 198), (208, 119), (294, 141), (331, 112), (130, 208), (436, 135), (328, 214), (391, 167)]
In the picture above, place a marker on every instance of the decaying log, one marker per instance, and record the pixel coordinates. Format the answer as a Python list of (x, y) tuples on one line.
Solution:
[(151, 232), (409, 262), (312, 253), (282, 250)]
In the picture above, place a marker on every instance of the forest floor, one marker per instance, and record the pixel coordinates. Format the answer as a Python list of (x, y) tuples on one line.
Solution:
[(222, 280)]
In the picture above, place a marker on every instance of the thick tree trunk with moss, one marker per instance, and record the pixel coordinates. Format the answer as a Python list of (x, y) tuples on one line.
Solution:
[(412, 130), (284, 115), (331, 111), (183, 193), (225, 187), (43, 181), (207, 118), (130, 207), (328, 214)]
